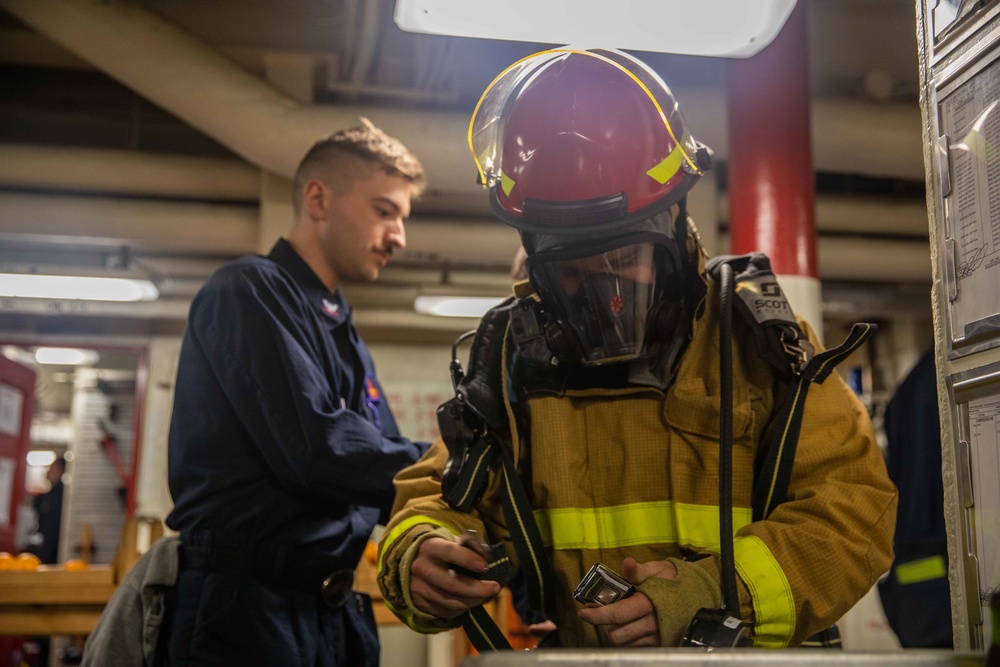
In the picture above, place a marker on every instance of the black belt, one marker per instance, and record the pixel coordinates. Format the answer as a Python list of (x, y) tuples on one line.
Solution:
[(335, 589)]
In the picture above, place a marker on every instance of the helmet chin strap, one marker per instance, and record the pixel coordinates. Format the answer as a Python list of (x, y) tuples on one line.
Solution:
[(681, 234)]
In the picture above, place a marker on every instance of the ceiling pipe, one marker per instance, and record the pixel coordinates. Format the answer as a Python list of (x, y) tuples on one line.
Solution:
[(127, 173), (862, 215), (876, 260), (367, 45), (199, 229), (162, 226), (208, 91)]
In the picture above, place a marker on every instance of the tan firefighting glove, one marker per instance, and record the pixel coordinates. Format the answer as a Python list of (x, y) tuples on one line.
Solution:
[(677, 600)]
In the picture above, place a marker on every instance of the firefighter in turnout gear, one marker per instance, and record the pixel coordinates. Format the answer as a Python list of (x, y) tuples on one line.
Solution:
[(586, 428)]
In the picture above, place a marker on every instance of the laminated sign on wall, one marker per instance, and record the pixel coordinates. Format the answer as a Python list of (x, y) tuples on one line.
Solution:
[(959, 58)]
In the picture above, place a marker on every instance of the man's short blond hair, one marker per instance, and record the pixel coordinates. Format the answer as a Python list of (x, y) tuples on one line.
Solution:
[(342, 158)]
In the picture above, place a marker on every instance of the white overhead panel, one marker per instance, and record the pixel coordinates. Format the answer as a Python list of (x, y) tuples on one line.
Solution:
[(728, 28)]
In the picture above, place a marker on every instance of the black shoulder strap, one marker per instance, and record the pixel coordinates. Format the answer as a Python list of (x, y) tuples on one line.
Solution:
[(771, 485)]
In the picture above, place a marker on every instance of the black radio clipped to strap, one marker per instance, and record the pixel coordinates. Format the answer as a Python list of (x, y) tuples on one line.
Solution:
[(473, 423)]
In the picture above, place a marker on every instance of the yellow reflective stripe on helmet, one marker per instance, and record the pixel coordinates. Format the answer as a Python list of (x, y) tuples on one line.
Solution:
[(667, 167), (402, 527), (773, 602), (925, 569), (507, 183), (657, 522)]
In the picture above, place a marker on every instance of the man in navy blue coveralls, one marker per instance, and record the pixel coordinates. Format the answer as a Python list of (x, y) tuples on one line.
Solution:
[(282, 447)]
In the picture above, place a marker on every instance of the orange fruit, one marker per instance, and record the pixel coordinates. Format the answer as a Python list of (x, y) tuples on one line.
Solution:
[(371, 552), (75, 565), (27, 561), (6, 561)]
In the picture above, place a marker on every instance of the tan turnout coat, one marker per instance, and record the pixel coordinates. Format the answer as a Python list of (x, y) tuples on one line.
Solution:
[(634, 472)]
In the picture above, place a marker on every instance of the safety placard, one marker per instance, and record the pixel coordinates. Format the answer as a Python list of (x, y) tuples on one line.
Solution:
[(984, 469), (977, 466), (970, 122)]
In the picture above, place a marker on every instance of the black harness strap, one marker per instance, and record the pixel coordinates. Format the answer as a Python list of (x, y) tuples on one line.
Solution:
[(483, 632), (478, 624), (469, 424), (771, 486), (527, 541)]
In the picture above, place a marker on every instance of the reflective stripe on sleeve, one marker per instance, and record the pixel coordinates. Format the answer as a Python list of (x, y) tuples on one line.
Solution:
[(403, 526), (405, 614), (773, 603), (924, 569)]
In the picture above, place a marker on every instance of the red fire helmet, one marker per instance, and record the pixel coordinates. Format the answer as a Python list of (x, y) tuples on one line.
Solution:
[(573, 141)]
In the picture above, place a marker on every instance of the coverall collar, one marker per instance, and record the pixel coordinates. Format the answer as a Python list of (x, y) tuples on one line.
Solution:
[(331, 305)]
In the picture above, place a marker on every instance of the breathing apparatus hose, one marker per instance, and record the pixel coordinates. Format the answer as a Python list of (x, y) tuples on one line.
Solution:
[(455, 369), (730, 596)]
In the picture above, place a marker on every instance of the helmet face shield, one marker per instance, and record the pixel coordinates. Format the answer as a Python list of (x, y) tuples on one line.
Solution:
[(603, 299)]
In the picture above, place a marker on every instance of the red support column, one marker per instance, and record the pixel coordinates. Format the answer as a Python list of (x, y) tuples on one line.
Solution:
[(771, 179)]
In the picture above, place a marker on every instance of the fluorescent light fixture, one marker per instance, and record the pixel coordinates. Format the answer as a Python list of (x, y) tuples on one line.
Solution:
[(41, 457), (455, 306), (65, 356), (728, 28), (76, 287), (61, 432), (17, 354)]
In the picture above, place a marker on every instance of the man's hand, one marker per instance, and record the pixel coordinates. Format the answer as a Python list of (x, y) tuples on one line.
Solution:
[(437, 589), (632, 621)]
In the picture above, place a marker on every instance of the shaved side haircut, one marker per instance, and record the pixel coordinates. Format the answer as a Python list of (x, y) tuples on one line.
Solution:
[(350, 154)]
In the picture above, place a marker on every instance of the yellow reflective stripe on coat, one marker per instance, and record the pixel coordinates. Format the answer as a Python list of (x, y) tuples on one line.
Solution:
[(773, 603), (663, 521), (669, 521), (917, 571)]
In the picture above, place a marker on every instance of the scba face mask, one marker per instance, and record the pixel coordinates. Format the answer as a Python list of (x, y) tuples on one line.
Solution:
[(604, 300)]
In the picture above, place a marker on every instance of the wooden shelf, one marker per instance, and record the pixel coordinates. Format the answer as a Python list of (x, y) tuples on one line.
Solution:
[(53, 600)]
